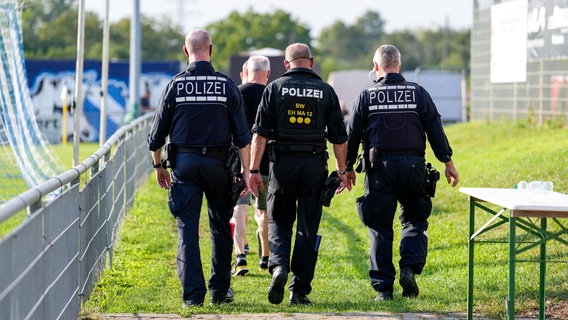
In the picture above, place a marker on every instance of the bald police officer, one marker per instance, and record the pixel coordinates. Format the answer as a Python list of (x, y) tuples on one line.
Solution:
[(392, 118), (202, 112), (297, 113)]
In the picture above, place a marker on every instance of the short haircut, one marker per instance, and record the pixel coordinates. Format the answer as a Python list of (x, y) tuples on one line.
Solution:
[(387, 56), (258, 63), (297, 51), (198, 40)]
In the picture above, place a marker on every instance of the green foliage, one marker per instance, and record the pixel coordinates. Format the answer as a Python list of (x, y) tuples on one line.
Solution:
[(50, 32), (352, 46), (437, 48), (143, 277), (252, 31)]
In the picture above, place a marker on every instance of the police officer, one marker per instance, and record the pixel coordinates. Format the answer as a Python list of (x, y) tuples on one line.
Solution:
[(392, 119), (200, 110), (297, 113)]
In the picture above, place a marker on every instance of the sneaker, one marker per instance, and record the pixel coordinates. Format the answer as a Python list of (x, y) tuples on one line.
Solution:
[(240, 267), (263, 263), (384, 296), (229, 297), (408, 283), (299, 299), (276, 289)]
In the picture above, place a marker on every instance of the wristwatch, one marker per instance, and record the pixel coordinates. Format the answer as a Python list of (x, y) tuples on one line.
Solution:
[(253, 171), (158, 165)]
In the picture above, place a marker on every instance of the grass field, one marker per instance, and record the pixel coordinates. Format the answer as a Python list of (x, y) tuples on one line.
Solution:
[(143, 277), (61, 153)]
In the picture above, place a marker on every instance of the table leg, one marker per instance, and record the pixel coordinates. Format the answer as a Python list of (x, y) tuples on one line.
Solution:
[(542, 310), (470, 259), (512, 243)]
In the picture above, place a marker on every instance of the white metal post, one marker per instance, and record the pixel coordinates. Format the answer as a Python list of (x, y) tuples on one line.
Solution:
[(78, 95), (104, 77)]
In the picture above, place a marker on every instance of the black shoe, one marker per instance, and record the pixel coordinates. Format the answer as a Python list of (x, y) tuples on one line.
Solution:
[(408, 283), (299, 299), (384, 296), (240, 267), (276, 289), (263, 263), (229, 297)]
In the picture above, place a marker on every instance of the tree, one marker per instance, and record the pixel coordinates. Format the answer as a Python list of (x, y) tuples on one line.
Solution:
[(433, 48), (351, 46), (239, 33), (409, 47), (50, 32), (160, 40), (57, 38)]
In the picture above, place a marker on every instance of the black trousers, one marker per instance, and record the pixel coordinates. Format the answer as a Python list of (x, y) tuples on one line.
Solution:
[(396, 179), (294, 191), (192, 176)]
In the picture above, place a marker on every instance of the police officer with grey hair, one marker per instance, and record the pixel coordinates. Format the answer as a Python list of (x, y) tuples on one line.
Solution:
[(201, 111), (298, 113), (392, 119)]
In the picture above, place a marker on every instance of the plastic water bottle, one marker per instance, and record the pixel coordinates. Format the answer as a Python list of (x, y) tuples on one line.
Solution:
[(522, 185), (535, 185), (541, 185), (547, 186)]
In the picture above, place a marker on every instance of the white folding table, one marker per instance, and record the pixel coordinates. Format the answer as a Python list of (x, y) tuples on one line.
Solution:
[(521, 204)]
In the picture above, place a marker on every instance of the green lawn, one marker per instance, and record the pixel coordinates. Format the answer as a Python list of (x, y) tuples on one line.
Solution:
[(143, 277), (61, 153)]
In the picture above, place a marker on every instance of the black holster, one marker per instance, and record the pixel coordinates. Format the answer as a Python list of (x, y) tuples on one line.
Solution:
[(330, 186), (168, 156), (373, 157), (238, 186), (432, 176), (238, 183), (272, 152), (362, 164), (232, 158)]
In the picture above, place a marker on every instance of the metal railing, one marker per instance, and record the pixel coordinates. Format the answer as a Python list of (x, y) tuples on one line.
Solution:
[(51, 261)]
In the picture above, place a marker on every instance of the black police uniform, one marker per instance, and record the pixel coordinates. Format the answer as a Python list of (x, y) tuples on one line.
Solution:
[(296, 114), (202, 112), (392, 119)]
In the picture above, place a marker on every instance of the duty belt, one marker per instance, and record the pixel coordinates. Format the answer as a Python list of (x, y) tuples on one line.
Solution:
[(301, 150), (219, 153), (401, 153)]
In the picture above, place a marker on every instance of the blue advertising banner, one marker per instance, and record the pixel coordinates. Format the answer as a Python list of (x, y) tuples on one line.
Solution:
[(51, 84)]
